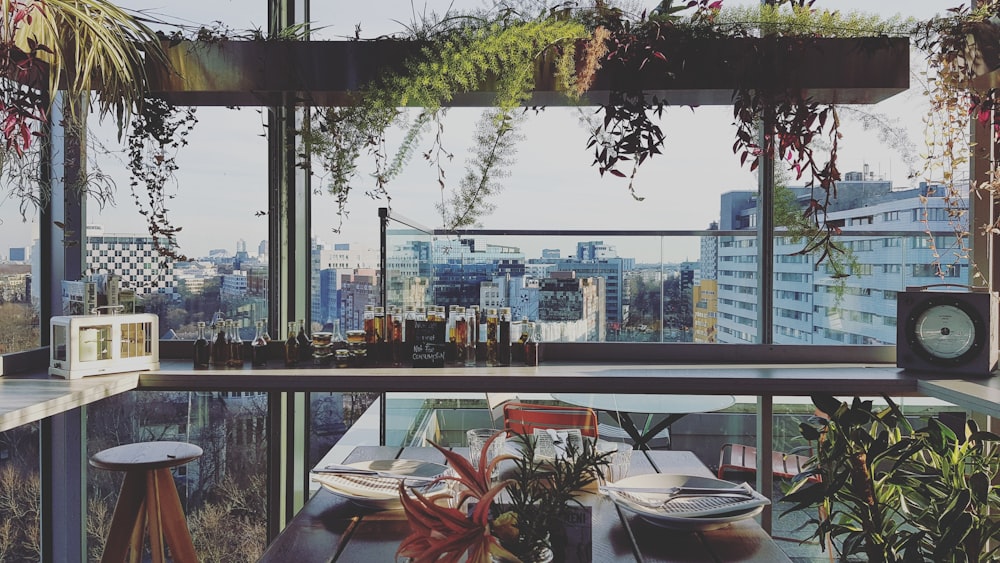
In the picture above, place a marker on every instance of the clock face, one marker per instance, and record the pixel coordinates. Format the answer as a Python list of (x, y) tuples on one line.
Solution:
[(946, 332)]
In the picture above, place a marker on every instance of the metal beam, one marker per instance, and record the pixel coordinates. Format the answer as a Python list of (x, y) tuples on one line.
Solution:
[(63, 243)]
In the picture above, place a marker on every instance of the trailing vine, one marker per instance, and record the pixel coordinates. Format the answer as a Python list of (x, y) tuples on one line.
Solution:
[(955, 58), (156, 134), (474, 49)]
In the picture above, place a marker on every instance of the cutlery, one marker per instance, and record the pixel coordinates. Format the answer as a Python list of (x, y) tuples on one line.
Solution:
[(742, 491), (349, 470)]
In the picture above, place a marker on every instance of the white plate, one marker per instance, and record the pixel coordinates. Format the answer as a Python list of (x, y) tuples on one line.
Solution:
[(726, 511), (380, 493)]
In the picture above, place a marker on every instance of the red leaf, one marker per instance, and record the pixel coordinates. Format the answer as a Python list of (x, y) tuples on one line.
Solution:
[(617, 172)]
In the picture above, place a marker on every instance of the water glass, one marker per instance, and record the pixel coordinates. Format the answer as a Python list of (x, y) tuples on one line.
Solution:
[(619, 460), (477, 438)]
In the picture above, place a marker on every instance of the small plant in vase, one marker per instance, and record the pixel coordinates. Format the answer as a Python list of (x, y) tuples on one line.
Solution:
[(512, 520)]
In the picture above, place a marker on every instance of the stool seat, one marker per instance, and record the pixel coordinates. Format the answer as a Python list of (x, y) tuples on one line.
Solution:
[(145, 455), (148, 502)]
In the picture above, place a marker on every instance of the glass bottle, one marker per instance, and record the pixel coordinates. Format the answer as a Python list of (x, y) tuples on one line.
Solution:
[(258, 347), (531, 344), (291, 346), (503, 340), (304, 342), (396, 336), (341, 354), (520, 328), (472, 320), (409, 329), (450, 338), (378, 349), (235, 346), (220, 346), (492, 328), (369, 324), (202, 348), (461, 336), (265, 336)]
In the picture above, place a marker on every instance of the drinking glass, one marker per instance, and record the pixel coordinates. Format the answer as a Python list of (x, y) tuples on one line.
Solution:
[(477, 438), (619, 460)]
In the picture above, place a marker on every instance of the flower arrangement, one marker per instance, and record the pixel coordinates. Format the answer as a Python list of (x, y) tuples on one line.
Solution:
[(510, 520)]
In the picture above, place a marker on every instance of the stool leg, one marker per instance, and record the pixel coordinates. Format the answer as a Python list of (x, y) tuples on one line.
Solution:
[(153, 514), (135, 544), (127, 517), (172, 520)]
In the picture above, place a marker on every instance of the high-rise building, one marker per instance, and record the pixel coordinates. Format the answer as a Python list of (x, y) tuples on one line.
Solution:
[(131, 257), (815, 303), (571, 309)]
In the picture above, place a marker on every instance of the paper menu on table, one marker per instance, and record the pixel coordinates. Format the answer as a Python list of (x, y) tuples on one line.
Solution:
[(551, 443)]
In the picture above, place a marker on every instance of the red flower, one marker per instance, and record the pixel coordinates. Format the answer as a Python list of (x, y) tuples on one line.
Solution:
[(442, 533)]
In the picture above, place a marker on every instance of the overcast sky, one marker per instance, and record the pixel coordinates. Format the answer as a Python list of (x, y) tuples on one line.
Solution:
[(223, 175)]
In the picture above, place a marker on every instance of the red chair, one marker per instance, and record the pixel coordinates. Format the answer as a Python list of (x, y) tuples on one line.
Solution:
[(743, 459), (524, 418)]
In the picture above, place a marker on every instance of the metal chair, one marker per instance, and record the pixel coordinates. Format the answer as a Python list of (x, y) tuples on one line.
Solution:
[(524, 418)]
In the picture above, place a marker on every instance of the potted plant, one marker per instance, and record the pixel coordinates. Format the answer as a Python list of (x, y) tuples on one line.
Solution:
[(513, 520), (888, 492)]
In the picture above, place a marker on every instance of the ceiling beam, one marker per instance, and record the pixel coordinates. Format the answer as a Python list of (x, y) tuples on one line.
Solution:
[(330, 73)]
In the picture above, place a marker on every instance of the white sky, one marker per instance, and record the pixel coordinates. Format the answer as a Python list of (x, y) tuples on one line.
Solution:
[(223, 174)]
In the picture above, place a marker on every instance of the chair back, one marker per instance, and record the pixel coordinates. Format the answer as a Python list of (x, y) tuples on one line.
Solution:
[(496, 402), (524, 418)]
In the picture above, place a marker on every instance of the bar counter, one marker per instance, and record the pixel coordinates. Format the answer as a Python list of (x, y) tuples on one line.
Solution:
[(34, 395)]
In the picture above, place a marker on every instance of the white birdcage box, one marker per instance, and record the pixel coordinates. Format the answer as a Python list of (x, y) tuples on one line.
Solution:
[(82, 345)]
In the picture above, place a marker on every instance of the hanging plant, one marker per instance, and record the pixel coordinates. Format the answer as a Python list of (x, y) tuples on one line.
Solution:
[(469, 51), (157, 133), (959, 47)]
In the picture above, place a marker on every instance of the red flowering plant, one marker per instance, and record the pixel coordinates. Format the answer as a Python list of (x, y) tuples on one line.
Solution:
[(537, 496), (444, 533)]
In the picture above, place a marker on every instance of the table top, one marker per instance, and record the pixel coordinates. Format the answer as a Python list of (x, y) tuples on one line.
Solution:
[(656, 404), (331, 528)]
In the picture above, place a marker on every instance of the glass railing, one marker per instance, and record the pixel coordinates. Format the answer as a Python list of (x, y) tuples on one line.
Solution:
[(670, 286)]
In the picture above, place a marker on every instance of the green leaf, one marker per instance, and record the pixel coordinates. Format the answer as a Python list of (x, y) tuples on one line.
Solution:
[(953, 536), (827, 404)]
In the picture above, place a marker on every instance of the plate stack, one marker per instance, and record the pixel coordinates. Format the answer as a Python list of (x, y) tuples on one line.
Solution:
[(375, 484), (653, 498)]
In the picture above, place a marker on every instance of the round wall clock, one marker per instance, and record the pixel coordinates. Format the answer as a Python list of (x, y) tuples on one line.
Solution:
[(947, 331)]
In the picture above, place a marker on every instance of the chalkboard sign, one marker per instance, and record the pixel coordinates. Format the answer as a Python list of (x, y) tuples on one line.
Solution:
[(428, 344)]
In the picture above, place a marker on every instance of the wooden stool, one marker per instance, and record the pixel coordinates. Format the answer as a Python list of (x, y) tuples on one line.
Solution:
[(148, 496)]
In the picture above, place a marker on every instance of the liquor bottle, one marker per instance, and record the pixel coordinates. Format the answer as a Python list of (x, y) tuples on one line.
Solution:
[(521, 329), (305, 343), (266, 336), (369, 324), (396, 336), (341, 354), (378, 350), (461, 336), (531, 344), (503, 340), (235, 346), (450, 339), (220, 347), (291, 346), (409, 329), (472, 320), (258, 347), (202, 348), (492, 328)]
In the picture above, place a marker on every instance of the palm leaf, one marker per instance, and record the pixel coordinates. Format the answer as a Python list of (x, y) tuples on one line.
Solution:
[(96, 46)]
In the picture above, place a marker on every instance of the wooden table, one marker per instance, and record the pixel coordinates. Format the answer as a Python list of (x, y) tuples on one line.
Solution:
[(330, 528)]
